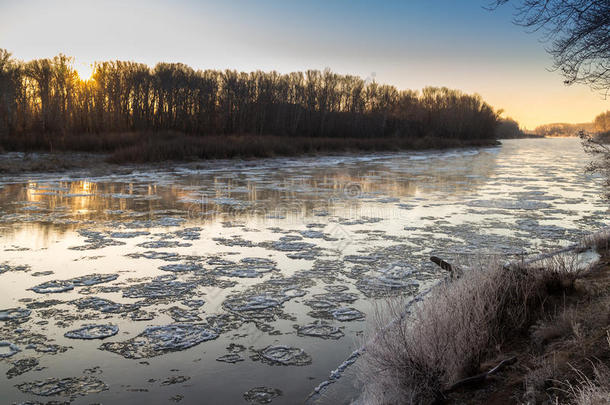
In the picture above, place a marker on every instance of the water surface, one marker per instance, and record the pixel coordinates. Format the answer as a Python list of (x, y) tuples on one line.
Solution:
[(273, 264)]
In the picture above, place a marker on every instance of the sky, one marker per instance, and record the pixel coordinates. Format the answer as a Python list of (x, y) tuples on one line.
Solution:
[(407, 43)]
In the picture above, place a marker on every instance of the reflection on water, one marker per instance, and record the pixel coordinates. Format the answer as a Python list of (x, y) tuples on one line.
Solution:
[(220, 278)]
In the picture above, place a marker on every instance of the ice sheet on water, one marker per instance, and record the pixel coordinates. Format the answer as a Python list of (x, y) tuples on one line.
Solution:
[(43, 304), (128, 235), (347, 314), (157, 340), (392, 279), (249, 267), (166, 256), (509, 204), (68, 387), (327, 270), (101, 304), (5, 267), (359, 221), (284, 246), (336, 288), (57, 286), (230, 358), (182, 315), (93, 279), (253, 305), (283, 355), (158, 288), (54, 286), (320, 329), (8, 349), (12, 314), (188, 233), (95, 240), (88, 332), (178, 379), (261, 395), (234, 241), (323, 305), (22, 366), (162, 244), (193, 303), (181, 267), (361, 259), (338, 296)]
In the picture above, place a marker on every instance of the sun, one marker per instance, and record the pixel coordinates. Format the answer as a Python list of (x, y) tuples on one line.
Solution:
[(84, 70)]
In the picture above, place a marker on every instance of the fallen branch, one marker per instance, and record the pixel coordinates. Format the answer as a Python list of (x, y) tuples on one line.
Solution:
[(480, 378)]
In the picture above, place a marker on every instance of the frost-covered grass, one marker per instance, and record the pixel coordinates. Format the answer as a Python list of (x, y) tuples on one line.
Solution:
[(460, 324)]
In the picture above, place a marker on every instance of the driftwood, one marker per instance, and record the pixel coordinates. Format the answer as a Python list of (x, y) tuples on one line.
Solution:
[(480, 378), (441, 263)]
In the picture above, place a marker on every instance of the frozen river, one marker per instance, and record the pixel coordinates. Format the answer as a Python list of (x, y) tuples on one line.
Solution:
[(236, 282)]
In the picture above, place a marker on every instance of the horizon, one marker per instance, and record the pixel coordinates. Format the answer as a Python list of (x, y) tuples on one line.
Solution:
[(387, 42)]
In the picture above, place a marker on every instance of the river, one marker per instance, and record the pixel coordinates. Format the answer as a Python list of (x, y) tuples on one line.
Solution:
[(236, 281)]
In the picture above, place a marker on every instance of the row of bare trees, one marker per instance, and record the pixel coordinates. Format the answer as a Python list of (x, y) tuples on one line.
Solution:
[(47, 96)]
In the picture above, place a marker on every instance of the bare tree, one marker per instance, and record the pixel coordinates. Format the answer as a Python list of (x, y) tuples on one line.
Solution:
[(579, 35)]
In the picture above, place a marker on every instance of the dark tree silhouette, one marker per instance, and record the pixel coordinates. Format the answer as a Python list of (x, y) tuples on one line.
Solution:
[(45, 99), (579, 35)]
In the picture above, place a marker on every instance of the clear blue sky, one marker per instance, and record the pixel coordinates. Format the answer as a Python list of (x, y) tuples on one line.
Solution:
[(408, 43)]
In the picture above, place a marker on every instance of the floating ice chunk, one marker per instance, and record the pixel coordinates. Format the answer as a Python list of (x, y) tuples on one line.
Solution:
[(193, 303), (251, 303), (93, 279), (181, 267), (339, 296), (320, 329), (284, 355), (54, 286), (182, 315), (14, 314), (235, 241), (179, 379), (158, 288), (361, 259), (336, 288), (188, 233), (292, 246), (160, 244), (321, 304), (8, 349), (128, 235), (347, 314), (261, 395), (166, 256), (4, 268), (69, 387), (312, 234), (157, 340), (22, 366), (100, 304), (57, 286), (93, 332), (230, 358)]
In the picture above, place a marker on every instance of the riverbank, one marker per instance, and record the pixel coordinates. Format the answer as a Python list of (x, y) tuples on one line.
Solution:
[(98, 151), (532, 334)]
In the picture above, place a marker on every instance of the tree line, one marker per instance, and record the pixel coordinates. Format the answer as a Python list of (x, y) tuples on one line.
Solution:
[(47, 96)]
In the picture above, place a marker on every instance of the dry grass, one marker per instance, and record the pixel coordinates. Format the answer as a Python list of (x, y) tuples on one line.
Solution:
[(448, 335), (474, 319), (139, 147)]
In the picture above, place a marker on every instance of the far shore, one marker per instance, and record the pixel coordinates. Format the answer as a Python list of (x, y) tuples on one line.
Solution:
[(110, 152)]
